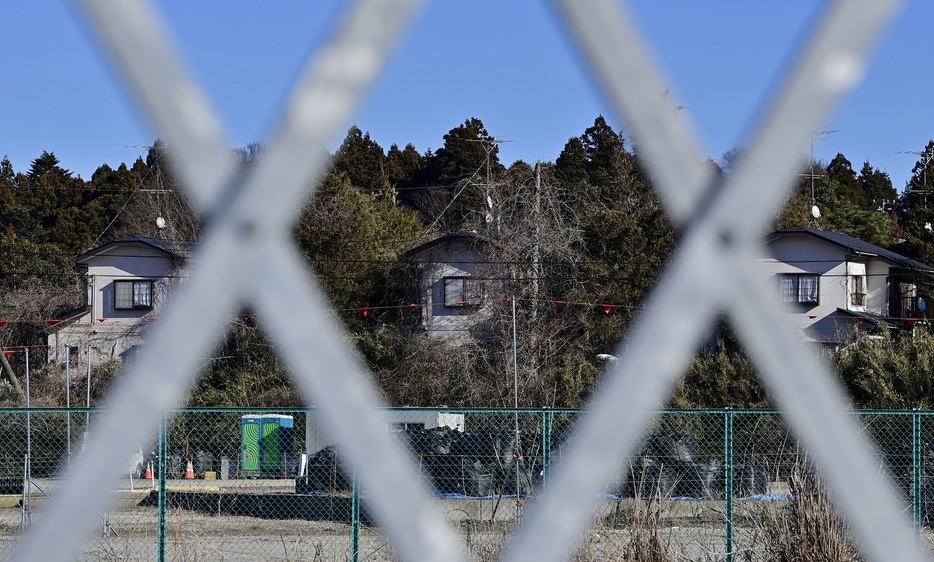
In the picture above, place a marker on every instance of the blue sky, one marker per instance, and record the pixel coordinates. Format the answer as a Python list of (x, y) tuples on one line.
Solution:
[(506, 62)]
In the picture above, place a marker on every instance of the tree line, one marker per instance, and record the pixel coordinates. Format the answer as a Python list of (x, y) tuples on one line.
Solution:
[(584, 228)]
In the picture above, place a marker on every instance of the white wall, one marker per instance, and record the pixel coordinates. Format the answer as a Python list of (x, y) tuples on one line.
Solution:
[(805, 254), (316, 436), (455, 259)]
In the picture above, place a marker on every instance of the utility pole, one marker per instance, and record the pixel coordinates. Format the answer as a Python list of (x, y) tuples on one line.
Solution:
[(536, 232)]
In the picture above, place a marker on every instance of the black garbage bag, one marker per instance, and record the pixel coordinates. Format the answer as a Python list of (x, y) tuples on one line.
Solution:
[(669, 447), (325, 473)]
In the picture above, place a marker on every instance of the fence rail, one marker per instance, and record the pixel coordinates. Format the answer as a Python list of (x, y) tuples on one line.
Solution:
[(242, 484)]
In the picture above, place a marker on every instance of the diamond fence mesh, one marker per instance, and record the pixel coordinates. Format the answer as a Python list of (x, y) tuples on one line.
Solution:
[(721, 224), (232, 484)]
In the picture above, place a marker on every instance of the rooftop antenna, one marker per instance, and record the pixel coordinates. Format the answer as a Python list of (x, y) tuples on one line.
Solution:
[(489, 144), (925, 159), (815, 210)]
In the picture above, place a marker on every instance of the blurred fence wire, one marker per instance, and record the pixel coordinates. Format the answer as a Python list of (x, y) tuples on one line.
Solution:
[(247, 257)]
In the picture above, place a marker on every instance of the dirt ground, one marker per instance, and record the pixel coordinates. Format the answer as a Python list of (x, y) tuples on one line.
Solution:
[(132, 533)]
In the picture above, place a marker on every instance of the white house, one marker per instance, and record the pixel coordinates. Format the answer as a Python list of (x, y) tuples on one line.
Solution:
[(128, 281), (836, 284), (452, 286)]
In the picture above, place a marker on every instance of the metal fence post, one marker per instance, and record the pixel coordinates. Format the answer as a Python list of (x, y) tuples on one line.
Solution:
[(546, 445), (163, 433), (354, 517), (728, 481), (916, 494)]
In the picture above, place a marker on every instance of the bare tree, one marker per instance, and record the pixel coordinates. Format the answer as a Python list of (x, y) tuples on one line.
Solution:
[(532, 258), (27, 310)]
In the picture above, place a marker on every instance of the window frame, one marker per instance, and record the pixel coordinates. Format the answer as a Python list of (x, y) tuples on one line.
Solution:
[(795, 280), (858, 291), (468, 294), (135, 302)]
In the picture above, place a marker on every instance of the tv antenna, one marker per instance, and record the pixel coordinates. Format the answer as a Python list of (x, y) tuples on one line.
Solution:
[(489, 145), (815, 210), (925, 159)]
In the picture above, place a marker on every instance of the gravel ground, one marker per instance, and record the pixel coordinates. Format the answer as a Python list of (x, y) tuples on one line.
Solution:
[(190, 537)]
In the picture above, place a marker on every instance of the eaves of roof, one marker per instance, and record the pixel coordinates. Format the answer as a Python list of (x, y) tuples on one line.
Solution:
[(171, 248), (853, 245), (68, 318), (470, 238), (873, 319)]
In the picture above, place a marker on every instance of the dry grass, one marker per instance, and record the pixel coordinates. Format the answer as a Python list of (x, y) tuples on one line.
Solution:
[(807, 527)]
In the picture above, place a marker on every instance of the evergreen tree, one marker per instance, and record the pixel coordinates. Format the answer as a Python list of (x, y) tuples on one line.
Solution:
[(362, 159), (353, 241), (847, 186), (47, 165), (877, 186), (7, 175), (571, 165), (605, 153), (404, 167), (916, 209), (626, 238), (459, 176), (469, 152)]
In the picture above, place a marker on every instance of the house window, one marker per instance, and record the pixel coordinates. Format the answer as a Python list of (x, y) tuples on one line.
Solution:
[(799, 287), (461, 291), (909, 300), (133, 295), (397, 427), (858, 290)]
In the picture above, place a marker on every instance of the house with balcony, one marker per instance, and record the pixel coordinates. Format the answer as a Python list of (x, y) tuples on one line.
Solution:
[(836, 284), (127, 281)]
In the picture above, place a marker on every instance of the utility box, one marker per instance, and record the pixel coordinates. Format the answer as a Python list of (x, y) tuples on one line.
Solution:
[(265, 443)]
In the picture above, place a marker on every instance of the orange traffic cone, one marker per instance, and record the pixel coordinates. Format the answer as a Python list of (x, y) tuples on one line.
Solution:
[(149, 471), (190, 472)]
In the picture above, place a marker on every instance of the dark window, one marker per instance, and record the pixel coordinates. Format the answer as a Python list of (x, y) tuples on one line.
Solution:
[(462, 291), (799, 287), (858, 296), (404, 426), (133, 295)]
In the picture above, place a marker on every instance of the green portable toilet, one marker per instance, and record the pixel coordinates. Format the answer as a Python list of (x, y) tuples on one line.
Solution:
[(266, 443)]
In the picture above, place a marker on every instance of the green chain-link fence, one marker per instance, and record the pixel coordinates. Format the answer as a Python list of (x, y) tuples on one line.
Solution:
[(233, 484)]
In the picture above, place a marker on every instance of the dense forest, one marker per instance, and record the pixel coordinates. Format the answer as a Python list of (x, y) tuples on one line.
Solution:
[(586, 231)]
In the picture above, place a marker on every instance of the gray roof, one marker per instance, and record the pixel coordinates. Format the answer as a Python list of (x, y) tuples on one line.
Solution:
[(853, 245), (469, 238), (172, 248), (871, 318)]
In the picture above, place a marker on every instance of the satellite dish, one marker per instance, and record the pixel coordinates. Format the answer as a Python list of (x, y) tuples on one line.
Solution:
[(160, 223), (815, 212)]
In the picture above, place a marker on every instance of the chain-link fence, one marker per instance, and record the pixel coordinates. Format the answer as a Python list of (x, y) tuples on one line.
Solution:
[(245, 260), (232, 484)]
